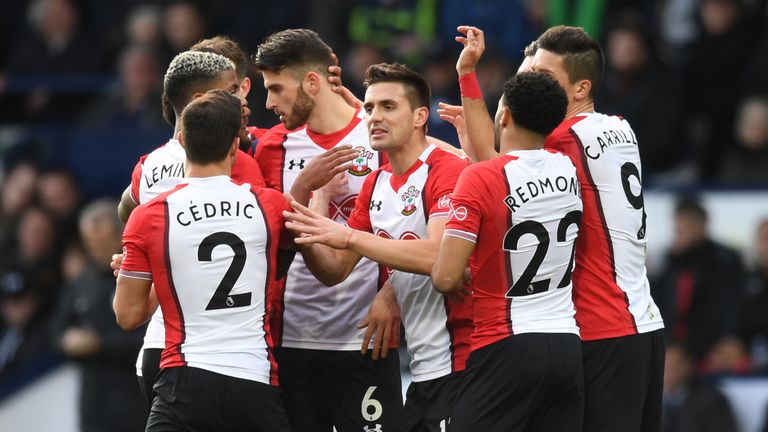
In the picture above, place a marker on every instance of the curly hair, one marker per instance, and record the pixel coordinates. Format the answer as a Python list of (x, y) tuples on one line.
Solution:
[(536, 102)]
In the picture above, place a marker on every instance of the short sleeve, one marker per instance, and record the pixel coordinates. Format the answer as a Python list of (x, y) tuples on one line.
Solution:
[(135, 254), (136, 180), (360, 218), (466, 206), (441, 182), (274, 204)]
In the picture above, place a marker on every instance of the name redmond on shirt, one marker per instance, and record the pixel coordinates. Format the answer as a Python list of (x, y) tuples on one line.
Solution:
[(540, 187)]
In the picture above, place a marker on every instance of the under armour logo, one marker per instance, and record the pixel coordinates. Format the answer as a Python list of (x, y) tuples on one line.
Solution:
[(374, 428), (376, 205), (293, 163)]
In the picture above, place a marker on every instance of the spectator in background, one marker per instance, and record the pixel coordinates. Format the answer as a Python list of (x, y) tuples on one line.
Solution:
[(753, 319), (59, 196), (746, 163), (727, 32), (134, 103), (33, 251), (56, 46), (144, 27), (185, 25), (644, 91), (699, 287), (85, 331), (24, 335), (690, 403), (18, 190)]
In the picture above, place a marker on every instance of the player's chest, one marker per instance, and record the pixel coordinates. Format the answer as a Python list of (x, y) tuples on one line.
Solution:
[(397, 206)]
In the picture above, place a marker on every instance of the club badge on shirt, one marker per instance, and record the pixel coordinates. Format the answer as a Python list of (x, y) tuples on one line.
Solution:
[(409, 200), (360, 163)]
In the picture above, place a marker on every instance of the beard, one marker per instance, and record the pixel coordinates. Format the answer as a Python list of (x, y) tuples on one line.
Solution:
[(300, 112), (497, 137)]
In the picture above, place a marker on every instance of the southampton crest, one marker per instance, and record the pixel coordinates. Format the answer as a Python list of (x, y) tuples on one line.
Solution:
[(409, 200), (360, 163)]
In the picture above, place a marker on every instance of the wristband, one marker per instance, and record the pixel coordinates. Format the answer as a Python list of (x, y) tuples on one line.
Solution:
[(469, 86)]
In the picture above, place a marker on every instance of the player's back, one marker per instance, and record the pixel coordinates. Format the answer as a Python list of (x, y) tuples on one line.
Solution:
[(213, 260), (612, 294), (163, 168), (523, 211)]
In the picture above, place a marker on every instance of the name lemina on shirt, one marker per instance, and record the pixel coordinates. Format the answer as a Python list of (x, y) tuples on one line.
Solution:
[(542, 186), (199, 211)]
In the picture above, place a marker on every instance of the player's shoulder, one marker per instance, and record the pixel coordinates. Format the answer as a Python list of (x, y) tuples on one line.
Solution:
[(443, 158), (157, 204), (277, 134)]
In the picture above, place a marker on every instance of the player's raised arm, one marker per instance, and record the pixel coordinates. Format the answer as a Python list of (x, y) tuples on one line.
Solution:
[(479, 144)]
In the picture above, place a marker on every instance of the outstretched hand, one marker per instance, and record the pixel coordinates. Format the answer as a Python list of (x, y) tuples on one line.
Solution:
[(311, 228), (454, 114), (473, 40)]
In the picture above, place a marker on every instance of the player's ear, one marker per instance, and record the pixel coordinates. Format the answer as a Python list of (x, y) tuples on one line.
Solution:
[(312, 82), (506, 116), (234, 147), (245, 87), (583, 87), (421, 115), (180, 139)]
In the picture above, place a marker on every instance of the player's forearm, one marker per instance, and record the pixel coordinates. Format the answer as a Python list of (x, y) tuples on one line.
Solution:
[(412, 256), (448, 271), (300, 192), (330, 266), (479, 143)]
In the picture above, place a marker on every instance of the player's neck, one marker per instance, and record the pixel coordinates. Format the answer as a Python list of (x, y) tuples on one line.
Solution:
[(331, 114), (522, 140), (403, 158), (586, 106), (214, 169)]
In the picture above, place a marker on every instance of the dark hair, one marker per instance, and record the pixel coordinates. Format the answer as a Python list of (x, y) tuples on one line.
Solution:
[(190, 72), (209, 124), (416, 88), (293, 48), (225, 46), (583, 58), (530, 49), (691, 205), (536, 101)]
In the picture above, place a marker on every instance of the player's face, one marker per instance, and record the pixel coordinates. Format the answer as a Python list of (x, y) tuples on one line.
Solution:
[(389, 116), (227, 81), (552, 64), (287, 98)]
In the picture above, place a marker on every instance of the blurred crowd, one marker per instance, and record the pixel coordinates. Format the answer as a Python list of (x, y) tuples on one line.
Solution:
[(80, 84)]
